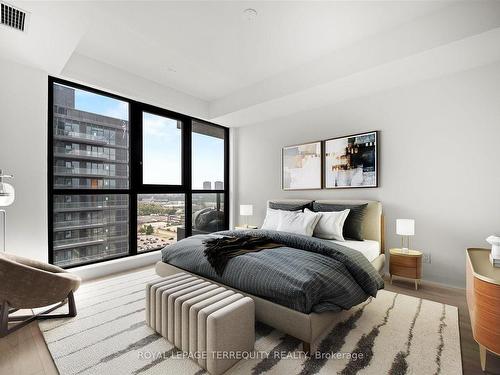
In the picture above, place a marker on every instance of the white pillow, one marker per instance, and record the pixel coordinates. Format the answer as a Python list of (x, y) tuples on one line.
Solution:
[(331, 225), (272, 219), (298, 222)]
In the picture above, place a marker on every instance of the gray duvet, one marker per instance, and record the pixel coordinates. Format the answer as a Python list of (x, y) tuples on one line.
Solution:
[(307, 274)]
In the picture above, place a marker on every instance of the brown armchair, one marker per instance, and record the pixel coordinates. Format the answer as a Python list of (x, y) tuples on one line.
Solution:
[(29, 284)]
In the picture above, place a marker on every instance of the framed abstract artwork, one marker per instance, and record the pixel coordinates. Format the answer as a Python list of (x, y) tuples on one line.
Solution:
[(351, 161), (301, 166)]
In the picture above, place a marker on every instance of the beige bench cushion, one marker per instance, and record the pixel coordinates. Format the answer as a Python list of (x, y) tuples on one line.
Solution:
[(229, 329), (168, 306), (202, 323), (202, 318), (151, 291), (181, 300), (193, 317), (161, 303), (185, 314), (165, 289)]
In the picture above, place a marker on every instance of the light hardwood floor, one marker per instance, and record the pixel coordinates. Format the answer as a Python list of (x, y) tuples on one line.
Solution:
[(25, 353)]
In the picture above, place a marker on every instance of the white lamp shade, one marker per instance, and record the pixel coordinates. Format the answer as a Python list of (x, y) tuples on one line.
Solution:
[(405, 227), (7, 194), (246, 210)]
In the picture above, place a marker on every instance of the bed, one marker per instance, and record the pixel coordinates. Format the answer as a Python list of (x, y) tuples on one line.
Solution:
[(305, 325)]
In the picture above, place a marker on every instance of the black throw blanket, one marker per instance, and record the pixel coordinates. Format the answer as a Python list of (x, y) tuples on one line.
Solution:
[(220, 250)]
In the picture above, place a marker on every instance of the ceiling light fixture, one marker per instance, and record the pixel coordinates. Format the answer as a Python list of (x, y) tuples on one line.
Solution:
[(250, 14)]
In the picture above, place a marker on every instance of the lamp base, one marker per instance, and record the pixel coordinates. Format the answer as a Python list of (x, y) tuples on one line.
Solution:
[(405, 245)]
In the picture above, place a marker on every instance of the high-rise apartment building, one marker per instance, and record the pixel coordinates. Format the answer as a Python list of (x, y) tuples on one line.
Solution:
[(91, 151)]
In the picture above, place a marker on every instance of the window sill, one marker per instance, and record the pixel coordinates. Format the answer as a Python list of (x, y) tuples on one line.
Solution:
[(93, 271)]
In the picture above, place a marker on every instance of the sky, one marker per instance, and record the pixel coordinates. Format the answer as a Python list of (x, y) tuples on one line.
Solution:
[(161, 144), (100, 104)]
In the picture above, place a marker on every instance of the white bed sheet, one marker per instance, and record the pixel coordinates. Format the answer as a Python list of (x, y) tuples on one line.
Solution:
[(369, 248)]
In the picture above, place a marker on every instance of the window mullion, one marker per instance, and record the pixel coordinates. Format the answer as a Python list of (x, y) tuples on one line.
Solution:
[(188, 177)]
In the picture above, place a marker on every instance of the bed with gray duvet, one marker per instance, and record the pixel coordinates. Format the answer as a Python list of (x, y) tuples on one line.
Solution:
[(306, 274), (298, 288)]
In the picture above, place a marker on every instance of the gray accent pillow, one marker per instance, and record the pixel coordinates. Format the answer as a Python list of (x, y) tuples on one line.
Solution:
[(290, 206), (353, 226)]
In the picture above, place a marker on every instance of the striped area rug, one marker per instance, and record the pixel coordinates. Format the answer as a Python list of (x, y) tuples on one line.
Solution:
[(390, 334)]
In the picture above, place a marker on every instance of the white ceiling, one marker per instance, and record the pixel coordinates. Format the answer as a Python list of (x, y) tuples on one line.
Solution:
[(215, 50), (247, 70)]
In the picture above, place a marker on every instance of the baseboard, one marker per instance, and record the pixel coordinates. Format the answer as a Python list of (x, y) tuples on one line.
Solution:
[(432, 283), (94, 271)]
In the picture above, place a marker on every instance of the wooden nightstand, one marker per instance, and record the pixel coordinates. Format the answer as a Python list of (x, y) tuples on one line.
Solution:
[(407, 265)]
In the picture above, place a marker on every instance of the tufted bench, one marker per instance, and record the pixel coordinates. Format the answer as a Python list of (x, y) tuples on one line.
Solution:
[(201, 318)]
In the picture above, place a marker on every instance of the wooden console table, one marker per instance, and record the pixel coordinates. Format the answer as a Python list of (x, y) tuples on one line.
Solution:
[(483, 299)]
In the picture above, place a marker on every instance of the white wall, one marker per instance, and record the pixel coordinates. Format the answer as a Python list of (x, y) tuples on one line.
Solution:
[(439, 161), (23, 152)]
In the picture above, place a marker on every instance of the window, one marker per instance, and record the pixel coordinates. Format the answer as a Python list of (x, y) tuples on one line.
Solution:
[(162, 154), (89, 227), (159, 218), (128, 178), (208, 213), (89, 121), (208, 156)]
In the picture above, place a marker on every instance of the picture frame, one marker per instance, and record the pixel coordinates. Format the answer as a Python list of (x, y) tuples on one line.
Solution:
[(302, 166), (351, 161)]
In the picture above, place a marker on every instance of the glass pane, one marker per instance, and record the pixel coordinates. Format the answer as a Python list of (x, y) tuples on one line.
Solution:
[(208, 156), (88, 228), (162, 160), (160, 220), (208, 213), (91, 140)]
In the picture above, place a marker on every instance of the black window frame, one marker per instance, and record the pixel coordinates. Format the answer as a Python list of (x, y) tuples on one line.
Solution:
[(136, 186)]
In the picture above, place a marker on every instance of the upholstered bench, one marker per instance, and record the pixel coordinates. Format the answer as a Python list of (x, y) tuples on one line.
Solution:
[(211, 323)]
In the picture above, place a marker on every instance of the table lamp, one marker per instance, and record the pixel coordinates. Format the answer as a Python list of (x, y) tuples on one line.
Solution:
[(405, 228), (246, 210), (7, 195)]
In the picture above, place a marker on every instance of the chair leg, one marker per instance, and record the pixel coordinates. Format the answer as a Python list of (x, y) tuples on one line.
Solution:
[(26, 319), (71, 309), (71, 305), (4, 319)]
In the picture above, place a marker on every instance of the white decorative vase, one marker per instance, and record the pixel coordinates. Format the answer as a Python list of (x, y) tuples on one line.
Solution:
[(494, 241)]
